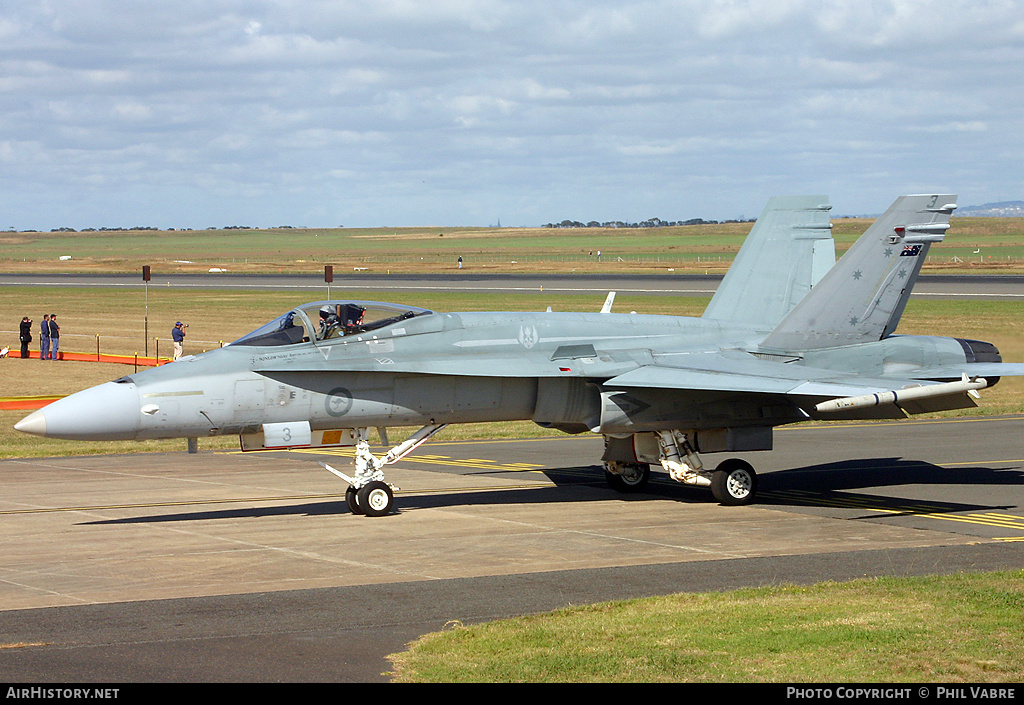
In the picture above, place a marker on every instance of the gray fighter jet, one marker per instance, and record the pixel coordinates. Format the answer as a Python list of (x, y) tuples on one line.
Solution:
[(789, 335)]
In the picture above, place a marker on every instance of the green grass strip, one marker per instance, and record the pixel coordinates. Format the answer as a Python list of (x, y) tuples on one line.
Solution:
[(956, 628)]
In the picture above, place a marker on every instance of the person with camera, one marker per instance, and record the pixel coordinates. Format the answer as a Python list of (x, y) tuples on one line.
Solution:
[(178, 337)]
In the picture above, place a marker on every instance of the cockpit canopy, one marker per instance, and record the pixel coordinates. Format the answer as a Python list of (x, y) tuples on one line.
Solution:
[(324, 320)]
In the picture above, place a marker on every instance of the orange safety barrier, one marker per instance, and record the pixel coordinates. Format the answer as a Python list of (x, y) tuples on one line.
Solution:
[(38, 402), (94, 357), (8, 403)]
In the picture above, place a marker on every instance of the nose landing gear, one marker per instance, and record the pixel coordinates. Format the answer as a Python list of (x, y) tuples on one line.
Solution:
[(367, 492)]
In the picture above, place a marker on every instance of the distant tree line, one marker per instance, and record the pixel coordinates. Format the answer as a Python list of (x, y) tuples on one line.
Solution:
[(112, 230), (141, 227), (649, 223), (97, 230)]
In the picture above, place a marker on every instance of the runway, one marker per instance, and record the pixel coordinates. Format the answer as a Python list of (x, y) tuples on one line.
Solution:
[(248, 567), (996, 287)]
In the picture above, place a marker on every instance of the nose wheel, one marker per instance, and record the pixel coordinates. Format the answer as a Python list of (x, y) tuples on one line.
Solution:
[(375, 499), (351, 500)]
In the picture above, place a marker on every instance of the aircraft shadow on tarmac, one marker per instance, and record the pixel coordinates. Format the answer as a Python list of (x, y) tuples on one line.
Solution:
[(568, 483), (809, 486), (820, 485)]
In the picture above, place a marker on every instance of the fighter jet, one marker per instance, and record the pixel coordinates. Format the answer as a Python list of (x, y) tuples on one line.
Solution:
[(789, 335)]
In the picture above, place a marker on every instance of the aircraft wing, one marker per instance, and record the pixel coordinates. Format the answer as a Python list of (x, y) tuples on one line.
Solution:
[(714, 372), (823, 392), (778, 378)]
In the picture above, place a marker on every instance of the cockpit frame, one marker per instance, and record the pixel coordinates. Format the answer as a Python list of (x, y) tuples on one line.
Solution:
[(323, 321)]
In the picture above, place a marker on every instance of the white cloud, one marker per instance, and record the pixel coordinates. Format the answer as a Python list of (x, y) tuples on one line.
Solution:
[(132, 111), (532, 111)]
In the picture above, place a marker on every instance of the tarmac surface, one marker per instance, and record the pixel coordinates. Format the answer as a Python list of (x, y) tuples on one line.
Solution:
[(232, 567)]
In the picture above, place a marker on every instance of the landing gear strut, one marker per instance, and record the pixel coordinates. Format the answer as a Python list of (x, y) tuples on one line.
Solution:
[(732, 483), (367, 491)]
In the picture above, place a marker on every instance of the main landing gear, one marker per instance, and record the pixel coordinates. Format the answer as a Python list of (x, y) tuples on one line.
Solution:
[(732, 483), (627, 477), (367, 491)]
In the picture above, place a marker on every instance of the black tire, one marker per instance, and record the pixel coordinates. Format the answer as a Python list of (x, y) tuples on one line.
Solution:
[(352, 501), (633, 478), (375, 499), (734, 482)]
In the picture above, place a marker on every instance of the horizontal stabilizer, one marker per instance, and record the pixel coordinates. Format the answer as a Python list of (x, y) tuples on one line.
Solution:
[(971, 369)]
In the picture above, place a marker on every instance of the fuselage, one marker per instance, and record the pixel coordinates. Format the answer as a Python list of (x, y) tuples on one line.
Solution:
[(449, 367), (413, 367)]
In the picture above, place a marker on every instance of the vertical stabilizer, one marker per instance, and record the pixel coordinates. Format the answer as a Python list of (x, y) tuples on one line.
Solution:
[(862, 298), (787, 251)]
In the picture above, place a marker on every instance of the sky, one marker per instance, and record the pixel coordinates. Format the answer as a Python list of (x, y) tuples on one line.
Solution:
[(214, 113)]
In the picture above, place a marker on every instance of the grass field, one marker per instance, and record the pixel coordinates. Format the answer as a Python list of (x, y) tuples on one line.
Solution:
[(972, 245), (946, 629)]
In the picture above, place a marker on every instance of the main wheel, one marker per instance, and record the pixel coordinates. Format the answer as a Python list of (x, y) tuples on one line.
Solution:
[(633, 478), (375, 499), (734, 482)]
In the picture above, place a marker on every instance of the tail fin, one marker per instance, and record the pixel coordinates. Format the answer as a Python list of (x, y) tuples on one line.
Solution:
[(862, 298), (787, 251)]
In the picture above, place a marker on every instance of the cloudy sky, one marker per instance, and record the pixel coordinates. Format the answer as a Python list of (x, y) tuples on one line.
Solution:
[(198, 113)]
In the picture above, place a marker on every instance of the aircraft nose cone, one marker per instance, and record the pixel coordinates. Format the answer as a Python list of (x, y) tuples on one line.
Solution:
[(34, 423), (107, 412)]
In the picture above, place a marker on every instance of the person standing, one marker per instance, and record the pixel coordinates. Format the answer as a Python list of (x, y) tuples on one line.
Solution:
[(26, 335), (44, 338), (178, 336), (54, 337)]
